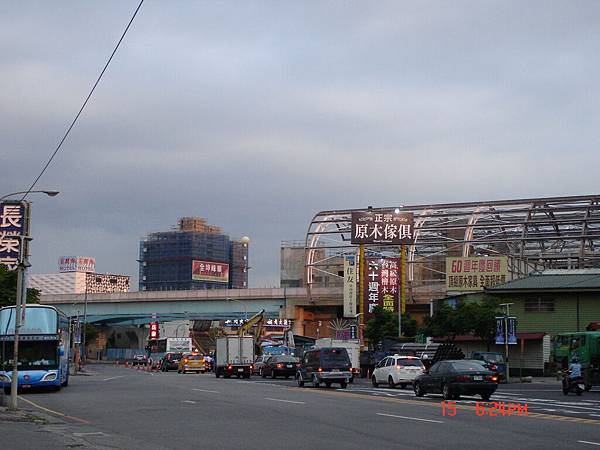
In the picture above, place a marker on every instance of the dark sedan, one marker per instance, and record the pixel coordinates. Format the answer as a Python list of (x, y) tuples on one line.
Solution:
[(280, 365), (170, 361), (453, 378)]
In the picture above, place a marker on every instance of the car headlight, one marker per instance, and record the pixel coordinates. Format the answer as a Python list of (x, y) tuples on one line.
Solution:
[(4, 379), (49, 377)]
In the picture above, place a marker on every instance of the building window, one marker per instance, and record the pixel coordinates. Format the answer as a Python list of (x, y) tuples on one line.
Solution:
[(539, 305)]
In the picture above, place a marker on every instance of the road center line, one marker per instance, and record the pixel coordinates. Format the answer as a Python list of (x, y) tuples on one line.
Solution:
[(588, 442), (206, 390), (114, 378), (409, 418), (285, 401)]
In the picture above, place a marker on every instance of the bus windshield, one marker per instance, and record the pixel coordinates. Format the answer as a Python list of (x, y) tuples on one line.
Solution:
[(37, 321), (33, 355)]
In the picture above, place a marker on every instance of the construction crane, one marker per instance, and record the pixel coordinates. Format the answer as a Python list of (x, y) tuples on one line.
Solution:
[(257, 319)]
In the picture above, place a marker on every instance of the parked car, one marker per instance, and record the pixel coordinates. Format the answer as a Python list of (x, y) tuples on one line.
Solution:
[(170, 361), (325, 365), (139, 359), (453, 378), (397, 370), (492, 361), (259, 363), (191, 362), (280, 365)]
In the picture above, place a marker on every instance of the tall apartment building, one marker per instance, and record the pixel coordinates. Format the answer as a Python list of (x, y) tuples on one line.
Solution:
[(194, 255)]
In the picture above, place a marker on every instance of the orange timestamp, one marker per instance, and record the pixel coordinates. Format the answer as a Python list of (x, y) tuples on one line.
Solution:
[(491, 409)]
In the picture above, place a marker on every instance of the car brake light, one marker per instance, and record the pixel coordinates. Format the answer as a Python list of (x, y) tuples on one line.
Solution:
[(491, 378), (251, 366), (320, 369), (229, 367), (279, 365), (492, 367), (185, 361)]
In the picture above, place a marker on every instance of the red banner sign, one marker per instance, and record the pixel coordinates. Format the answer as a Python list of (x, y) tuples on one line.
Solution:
[(210, 271)]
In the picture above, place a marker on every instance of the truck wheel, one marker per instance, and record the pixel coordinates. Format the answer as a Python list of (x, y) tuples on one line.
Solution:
[(217, 374)]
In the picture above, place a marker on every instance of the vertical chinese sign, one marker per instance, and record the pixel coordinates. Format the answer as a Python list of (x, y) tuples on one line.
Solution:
[(382, 287), (14, 224), (350, 286)]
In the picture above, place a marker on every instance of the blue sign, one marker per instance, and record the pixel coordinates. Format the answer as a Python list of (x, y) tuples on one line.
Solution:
[(12, 228), (502, 333)]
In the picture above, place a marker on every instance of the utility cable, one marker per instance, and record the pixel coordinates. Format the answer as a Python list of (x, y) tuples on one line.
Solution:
[(84, 103)]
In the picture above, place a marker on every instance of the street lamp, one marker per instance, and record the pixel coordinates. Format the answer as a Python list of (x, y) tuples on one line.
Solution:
[(48, 193), (21, 300), (241, 303)]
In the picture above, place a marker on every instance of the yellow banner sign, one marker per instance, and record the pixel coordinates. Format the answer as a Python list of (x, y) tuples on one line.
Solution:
[(476, 273)]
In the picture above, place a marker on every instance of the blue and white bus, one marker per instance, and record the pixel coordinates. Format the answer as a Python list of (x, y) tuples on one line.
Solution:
[(44, 342)]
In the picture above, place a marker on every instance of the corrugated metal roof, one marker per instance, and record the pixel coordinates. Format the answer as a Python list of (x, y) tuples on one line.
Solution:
[(565, 281)]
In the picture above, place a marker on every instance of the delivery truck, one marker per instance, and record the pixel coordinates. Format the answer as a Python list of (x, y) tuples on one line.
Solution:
[(234, 356)]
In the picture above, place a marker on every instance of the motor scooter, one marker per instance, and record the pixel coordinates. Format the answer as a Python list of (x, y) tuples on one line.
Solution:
[(575, 385)]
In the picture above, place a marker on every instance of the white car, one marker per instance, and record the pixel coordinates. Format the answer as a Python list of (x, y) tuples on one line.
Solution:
[(397, 370)]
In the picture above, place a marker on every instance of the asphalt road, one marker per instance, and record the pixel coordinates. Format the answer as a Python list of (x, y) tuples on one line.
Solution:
[(127, 408)]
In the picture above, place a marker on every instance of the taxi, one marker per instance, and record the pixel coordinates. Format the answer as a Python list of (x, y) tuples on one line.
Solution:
[(192, 362)]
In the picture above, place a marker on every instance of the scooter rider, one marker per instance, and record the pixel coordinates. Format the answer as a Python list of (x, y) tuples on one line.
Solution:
[(574, 369)]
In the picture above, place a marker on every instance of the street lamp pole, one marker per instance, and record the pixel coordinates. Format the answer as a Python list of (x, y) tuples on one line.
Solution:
[(21, 298), (85, 300)]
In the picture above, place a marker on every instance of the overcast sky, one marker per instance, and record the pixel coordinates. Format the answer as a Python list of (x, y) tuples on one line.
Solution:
[(256, 115)]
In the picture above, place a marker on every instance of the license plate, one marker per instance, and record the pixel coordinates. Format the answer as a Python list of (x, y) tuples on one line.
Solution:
[(26, 386), (289, 366), (335, 370), (478, 378), (240, 370)]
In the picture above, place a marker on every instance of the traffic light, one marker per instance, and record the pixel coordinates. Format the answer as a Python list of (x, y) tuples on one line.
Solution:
[(153, 331)]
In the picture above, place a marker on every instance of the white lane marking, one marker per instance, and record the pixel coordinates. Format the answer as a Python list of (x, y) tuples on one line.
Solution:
[(588, 442), (114, 378), (91, 433), (188, 401), (206, 390), (285, 401), (409, 418)]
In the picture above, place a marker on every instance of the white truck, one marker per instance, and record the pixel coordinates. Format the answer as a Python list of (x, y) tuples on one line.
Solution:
[(234, 356), (179, 344), (351, 346)]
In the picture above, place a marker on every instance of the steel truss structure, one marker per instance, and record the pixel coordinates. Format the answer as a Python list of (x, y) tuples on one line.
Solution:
[(535, 233)]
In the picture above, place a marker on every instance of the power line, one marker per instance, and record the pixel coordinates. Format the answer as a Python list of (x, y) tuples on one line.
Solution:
[(84, 103)]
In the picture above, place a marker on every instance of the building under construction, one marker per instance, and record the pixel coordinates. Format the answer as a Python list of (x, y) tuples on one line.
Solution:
[(193, 255)]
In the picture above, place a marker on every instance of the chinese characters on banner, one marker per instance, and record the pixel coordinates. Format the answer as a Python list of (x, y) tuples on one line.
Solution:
[(210, 271), (350, 286), (382, 227), (382, 284), (476, 273), (76, 264), (13, 224), (271, 323)]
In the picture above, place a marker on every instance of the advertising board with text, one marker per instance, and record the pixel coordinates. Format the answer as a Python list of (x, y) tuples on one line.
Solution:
[(382, 227), (475, 273), (210, 271), (349, 286), (381, 284), (14, 224)]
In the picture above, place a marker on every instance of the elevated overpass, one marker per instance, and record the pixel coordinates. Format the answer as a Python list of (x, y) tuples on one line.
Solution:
[(138, 308)]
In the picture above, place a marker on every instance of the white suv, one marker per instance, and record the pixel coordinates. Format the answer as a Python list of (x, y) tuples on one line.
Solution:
[(397, 370)]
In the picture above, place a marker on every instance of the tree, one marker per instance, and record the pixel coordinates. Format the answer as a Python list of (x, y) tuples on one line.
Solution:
[(477, 318), (91, 334), (384, 324), (8, 288)]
